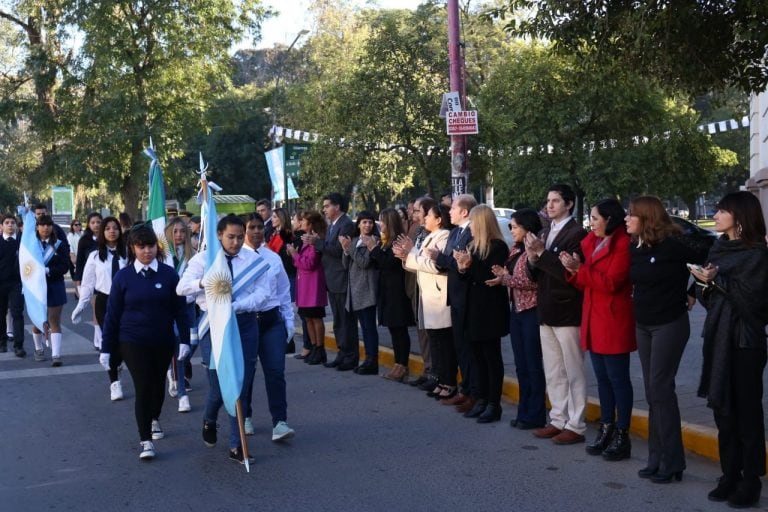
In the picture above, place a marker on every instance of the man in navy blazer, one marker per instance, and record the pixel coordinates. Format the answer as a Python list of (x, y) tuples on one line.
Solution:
[(344, 322), (459, 238)]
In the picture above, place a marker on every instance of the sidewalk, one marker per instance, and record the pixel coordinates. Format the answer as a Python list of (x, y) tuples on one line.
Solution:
[(699, 431)]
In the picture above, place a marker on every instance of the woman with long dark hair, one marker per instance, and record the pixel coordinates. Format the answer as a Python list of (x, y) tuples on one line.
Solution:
[(100, 267), (607, 322), (56, 259), (734, 290), (85, 247), (141, 311), (394, 306), (524, 322)]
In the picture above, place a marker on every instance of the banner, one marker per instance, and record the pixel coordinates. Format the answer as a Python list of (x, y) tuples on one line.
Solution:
[(276, 165)]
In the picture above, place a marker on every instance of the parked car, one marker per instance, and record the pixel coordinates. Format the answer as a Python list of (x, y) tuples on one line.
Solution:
[(704, 236), (504, 212), (504, 223)]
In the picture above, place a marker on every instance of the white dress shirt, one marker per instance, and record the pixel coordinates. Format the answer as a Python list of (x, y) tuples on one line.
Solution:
[(554, 230), (97, 276), (252, 296), (282, 298)]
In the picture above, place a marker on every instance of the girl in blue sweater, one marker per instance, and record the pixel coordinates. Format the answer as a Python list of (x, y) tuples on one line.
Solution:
[(141, 311)]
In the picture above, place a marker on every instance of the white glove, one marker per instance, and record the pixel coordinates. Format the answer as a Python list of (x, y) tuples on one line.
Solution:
[(104, 360), (184, 351), (76, 315), (291, 331)]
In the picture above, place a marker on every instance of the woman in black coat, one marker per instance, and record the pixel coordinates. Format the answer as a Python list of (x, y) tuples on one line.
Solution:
[(487, 313), (394, 306), (734, 289)]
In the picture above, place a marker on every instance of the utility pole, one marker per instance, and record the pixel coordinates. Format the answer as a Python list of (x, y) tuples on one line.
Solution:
[(275, 94), (459, 168)]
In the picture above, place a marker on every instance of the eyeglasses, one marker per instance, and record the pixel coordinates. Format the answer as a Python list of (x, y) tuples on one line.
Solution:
[(76, 224)]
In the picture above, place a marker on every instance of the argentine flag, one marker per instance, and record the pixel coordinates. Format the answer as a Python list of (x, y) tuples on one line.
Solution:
[(220, 320), (34, 286)]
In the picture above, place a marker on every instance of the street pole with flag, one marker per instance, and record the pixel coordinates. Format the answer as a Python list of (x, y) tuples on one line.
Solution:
[(32, 270), (156, 206), (220, 320)]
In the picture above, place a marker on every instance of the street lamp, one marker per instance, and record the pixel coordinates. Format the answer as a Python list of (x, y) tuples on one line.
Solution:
[(274, 108)]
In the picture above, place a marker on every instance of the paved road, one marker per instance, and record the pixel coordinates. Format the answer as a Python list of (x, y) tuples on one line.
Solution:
[(362, 444)]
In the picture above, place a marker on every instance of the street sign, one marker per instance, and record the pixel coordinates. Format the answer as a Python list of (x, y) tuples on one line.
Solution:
[(463, 122), (451, 103), (293, 154)]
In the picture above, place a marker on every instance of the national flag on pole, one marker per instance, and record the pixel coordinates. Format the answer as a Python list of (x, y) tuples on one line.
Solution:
[(220, 320), (156, 206), (32, 267)]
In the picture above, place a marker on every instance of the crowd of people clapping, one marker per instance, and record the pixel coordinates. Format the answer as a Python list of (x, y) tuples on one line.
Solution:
[(444, 269)]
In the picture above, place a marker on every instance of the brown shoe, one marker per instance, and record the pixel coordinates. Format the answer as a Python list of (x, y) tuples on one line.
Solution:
[(467, 406), (568, 437), (547, 432), (455, 400)]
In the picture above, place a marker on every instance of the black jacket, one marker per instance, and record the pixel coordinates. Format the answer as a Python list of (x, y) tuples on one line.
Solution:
[(737, 313)]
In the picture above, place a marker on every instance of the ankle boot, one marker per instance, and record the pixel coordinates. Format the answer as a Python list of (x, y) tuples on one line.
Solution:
[(491, 413), (620, 446), (315, 357), (747, 493), (604, 435), (308, 358), (726, 487)]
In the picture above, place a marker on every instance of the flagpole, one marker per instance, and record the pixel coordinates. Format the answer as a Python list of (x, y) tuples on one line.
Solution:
[(243, 440)]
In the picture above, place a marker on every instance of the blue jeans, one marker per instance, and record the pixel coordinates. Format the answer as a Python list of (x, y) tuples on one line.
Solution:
[(367, 319), (614, 388), (249, 337), (272, 340), (526, 347)]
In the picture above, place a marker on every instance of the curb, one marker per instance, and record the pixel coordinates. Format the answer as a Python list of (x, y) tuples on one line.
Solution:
[(697, 439)]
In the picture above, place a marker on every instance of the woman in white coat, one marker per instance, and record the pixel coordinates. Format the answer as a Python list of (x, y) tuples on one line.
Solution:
[(434, 312)]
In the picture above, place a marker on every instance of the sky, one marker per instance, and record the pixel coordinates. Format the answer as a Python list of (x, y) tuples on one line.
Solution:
[(283, 28)]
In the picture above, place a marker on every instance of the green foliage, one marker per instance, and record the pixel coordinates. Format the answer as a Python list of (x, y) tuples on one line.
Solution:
[(605, 130), (689, 44)]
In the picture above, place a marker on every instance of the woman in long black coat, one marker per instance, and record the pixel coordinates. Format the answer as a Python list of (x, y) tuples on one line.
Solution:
[(394, 306), (487, 313), (734, 289)]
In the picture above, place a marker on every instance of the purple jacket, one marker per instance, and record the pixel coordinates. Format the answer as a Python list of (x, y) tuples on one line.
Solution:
[(310, 278)]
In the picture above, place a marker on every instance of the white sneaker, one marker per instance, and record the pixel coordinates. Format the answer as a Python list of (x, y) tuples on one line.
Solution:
[(282, 431), (157, 430), (115, 391), (248, 426), (172, 385), (147, 450), (184, 404)]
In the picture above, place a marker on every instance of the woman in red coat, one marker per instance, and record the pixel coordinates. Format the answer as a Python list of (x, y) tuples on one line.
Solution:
[(607, 322)]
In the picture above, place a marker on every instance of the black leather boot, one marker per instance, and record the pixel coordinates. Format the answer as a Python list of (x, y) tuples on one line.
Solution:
[(726, 486), (747, 493), (314, 356), (491, 413), (604, 435), (620, 446), (477, 410)]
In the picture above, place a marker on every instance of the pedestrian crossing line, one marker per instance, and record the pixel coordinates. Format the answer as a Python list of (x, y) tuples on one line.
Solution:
[(51, 372)]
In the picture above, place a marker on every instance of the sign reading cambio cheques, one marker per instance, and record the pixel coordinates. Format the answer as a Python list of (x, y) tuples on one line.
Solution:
[(463, 122)]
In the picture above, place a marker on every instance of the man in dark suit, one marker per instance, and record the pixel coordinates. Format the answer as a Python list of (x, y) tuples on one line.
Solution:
[(264, 209), (10, 287), (344, 322), (459, 238), (559, 310)]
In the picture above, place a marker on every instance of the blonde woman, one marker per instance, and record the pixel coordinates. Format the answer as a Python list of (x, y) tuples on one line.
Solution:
[(487, 315), (178, 234)]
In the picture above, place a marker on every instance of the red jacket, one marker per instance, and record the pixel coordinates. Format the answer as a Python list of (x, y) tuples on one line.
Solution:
[(607, 318)]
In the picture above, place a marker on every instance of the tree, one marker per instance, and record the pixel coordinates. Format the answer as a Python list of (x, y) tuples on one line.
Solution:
[(605, 130), (693, 45)]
